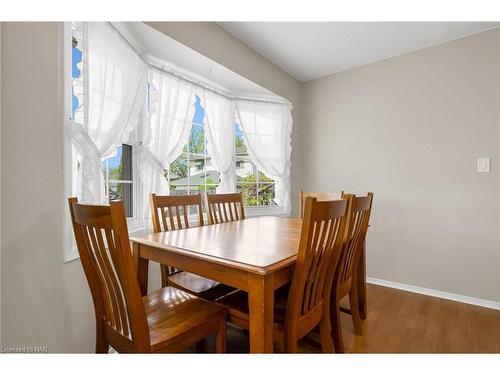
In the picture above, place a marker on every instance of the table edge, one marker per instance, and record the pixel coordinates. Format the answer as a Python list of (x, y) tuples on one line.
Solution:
[(214, 259)]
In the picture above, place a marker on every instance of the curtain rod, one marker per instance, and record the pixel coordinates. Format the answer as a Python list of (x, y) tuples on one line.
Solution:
[(163, 70)]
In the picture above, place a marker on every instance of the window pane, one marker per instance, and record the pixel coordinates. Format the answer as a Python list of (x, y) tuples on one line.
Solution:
[(112, 166), (197, 140), (119, 168), (76, 57), (178, 175), (122, 191), (196, 169), (249, 192), (241, 149), (266, 194), (126, 163), (211, 188), (244, 169), (126, 175), (178, 189), (212, 176)]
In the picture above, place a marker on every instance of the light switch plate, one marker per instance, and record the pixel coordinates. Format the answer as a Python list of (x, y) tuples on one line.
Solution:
[(483, 165)]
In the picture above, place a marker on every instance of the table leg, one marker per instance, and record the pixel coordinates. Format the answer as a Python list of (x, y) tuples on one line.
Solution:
[(361, 280), (261, 305), (142, 268)]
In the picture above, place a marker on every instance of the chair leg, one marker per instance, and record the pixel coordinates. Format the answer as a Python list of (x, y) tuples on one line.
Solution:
[(291, 342), (336, 326), (164, 275), (220, 337), (101, 345), (200, 346), (353, 304), (325, 330), (291, 346)]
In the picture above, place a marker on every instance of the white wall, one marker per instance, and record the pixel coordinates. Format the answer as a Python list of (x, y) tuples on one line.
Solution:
[(44, 301), (410, 129)]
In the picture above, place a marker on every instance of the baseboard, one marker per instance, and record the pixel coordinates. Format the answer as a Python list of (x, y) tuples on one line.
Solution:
[(436, 293)]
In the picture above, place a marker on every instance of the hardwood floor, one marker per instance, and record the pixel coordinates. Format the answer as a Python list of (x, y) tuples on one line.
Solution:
[(404, 322)]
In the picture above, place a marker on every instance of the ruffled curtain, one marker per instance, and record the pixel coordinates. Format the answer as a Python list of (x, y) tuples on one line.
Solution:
[(165, 133), (219, 132), (267, 130), (114, 91)]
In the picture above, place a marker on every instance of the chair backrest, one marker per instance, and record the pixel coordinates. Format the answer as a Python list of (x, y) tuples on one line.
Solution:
[(320, 196), (323, 232), (222, 208), (103, 244), (172, 210), (359, 218)]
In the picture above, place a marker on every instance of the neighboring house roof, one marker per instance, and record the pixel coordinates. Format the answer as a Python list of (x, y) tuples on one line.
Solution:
[(197, 179), (241, 151)]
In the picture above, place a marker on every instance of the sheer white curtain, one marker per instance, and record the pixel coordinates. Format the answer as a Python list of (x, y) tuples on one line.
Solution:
[(219, 132), (114, 85), (165, 134), (267, 132)]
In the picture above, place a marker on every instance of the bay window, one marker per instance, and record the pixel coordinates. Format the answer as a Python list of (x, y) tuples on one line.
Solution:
[(133, 129)]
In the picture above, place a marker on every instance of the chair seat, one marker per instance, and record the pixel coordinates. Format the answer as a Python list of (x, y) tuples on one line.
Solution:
[(199, 286), (237, 305), (174, 315)]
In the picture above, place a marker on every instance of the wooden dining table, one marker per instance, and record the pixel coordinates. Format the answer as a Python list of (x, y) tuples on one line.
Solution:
[(256, 255)]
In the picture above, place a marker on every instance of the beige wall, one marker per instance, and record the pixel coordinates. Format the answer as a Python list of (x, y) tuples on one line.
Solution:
[(410, 129), (46, 302)]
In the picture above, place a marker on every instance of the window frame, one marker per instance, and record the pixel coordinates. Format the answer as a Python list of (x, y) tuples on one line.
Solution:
[(206, 157), (136, 221), (69, 244), (260, 210)]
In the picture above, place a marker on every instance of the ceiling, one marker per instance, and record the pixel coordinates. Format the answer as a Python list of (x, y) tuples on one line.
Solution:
[(309, 50), (165, 52)]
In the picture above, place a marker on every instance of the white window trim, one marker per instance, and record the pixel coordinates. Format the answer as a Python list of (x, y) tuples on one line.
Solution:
[(253, 211), (136, 222), (69, 244)]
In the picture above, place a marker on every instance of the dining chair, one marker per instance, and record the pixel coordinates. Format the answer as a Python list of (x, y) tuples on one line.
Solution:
[(305, 304), (173, 211), (167, 320), (321, 196), (222, 208), (345, 279)]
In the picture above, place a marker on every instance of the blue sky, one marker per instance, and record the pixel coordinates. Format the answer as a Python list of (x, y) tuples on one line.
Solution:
[(76, 59)]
